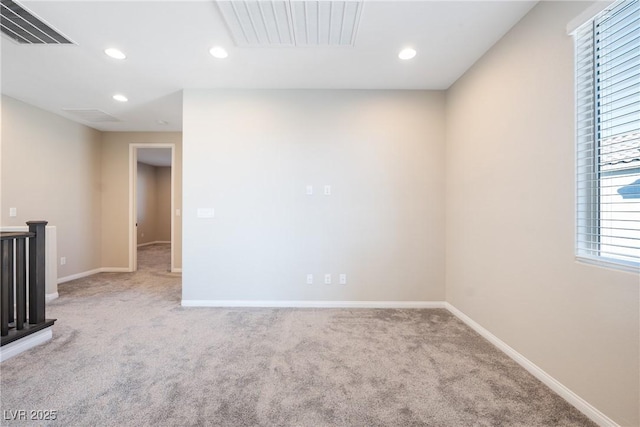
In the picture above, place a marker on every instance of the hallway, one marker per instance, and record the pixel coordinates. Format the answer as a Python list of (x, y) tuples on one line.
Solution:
[(156, 257)]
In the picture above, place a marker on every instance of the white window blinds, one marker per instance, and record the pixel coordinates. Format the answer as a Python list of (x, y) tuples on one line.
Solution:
[(608, 135)]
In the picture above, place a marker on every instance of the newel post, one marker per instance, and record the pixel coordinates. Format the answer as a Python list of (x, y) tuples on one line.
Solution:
[(37, 272)]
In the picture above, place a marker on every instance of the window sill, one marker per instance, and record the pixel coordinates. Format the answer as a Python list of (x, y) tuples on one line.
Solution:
[(625, 266)]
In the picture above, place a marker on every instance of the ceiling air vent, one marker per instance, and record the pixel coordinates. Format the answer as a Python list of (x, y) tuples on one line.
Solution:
[(272, 23), (21, 26), (91, 115)]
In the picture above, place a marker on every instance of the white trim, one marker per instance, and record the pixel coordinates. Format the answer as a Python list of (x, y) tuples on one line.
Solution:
[(15, 348), (78, 275), (173, 206), (587, 15), (627, 267), (114, 270), (313, 304), (51, 297), (92, 272), (582, 405), (153, 243), (176, 270), (133, 215)]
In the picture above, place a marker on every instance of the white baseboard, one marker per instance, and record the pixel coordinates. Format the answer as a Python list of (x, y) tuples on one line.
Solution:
[(78, 275), (313, 304), (114, 270), (15, 348), (92, 272), (153, 243), (51, 297), (582, 405)]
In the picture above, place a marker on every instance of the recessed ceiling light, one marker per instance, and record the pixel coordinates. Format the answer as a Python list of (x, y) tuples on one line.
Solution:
[(407, 53), (119, 97), (218, 52), (115, 53)]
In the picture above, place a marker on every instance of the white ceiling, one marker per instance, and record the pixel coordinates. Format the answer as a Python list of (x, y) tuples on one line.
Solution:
[(155, 156), (167, 46)]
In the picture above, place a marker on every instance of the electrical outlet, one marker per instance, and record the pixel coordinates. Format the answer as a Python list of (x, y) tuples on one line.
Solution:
[(343, 279), (327, 190), (13, 212), (309, 279), (63, 260), (309, 190), (327, 279)]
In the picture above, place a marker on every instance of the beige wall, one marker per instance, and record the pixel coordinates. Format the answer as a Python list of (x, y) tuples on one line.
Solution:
[(251, 154), (115, 193), (510, 219), (78, 180), (163, 204), (51, 171)]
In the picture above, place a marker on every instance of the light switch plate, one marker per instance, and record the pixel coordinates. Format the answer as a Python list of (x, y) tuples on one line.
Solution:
[(205, 212), (13, 212)]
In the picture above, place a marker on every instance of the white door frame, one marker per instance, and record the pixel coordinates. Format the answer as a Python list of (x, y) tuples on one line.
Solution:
[(133, 190)]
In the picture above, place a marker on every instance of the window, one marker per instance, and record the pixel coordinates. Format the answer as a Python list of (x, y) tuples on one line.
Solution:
[(607, 59)]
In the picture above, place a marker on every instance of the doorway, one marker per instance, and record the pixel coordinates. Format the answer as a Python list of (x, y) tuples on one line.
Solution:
[(151, 199)]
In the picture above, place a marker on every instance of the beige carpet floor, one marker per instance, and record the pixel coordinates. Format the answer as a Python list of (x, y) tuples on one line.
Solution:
[(125, 353)]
